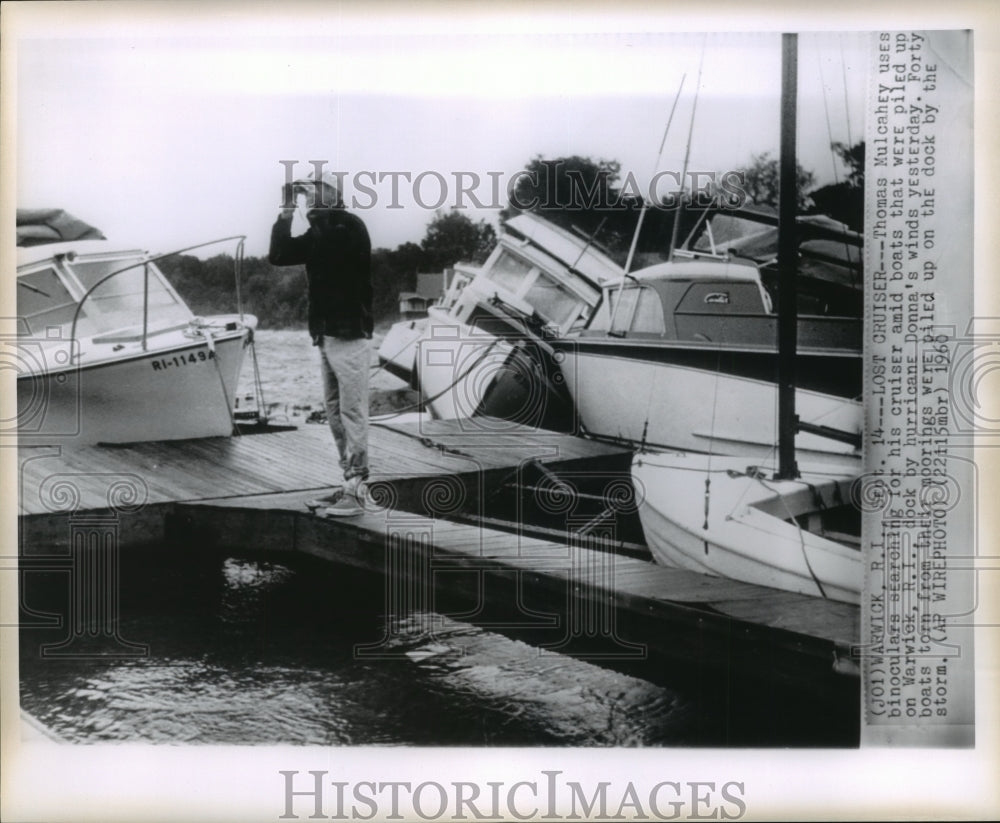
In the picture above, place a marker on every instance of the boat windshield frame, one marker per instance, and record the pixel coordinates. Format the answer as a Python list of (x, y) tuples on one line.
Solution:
[(104, 287), (147, 262), (541, 265)]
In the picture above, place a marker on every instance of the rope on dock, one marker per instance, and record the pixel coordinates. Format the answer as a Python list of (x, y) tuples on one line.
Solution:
[(423, 440)]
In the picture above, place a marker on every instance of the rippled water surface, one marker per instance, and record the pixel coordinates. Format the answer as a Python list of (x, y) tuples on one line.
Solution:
[(248, 651)]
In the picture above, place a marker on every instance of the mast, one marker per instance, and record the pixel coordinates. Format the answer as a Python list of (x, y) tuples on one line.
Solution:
[(642, 211), (787, 261), (687, 155), (645, 203)]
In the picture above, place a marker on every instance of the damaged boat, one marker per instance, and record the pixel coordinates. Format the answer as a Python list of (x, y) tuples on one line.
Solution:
[(483, 351)]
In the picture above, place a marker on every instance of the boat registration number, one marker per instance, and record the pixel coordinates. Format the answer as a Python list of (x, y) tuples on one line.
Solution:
[(164, 363)]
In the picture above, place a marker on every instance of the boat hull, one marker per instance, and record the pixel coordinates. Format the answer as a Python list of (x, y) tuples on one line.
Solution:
[(640, 395), (468, 373), (745, 534), (183, 386), (398, 352)]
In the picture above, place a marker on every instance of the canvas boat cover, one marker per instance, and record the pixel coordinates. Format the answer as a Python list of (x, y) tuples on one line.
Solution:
[(828, 249), (36, 227)]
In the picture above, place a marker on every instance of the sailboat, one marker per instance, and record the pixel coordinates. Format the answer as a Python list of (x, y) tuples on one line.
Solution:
[(772, 522), (723, 516)]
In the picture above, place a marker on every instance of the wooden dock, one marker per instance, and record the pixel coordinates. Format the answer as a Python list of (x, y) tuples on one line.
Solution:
[(296, 460), (576, 595)]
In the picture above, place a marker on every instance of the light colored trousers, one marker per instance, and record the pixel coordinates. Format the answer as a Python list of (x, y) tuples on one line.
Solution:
[(345, 365)]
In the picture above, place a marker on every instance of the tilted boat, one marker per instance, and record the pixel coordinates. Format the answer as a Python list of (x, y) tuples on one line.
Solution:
[(107, 351), (482, 351)]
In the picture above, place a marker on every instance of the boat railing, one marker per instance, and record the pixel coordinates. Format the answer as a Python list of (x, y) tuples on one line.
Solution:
[(145, 262)]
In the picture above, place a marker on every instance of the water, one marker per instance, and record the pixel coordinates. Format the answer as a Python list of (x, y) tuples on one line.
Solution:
[(249, 651), (243, 650)]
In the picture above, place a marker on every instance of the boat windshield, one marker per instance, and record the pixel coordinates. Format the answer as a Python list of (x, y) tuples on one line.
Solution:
[(43, 301), (554, 302), (458, 283), (528, 281), (117, 303), (509, 272), (641, 311)]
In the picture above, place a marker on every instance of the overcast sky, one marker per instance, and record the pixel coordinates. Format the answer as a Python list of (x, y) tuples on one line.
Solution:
[(166, 135)]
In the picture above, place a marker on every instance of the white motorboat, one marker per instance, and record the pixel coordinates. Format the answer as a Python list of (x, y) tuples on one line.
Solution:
[(482, 351), (721, 516), (683, 355), (106, 351)]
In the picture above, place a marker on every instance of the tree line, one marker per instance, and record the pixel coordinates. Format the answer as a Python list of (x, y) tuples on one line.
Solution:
[(593, 202)]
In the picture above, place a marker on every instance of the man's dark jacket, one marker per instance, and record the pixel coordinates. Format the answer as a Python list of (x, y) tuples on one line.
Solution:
[(336, 252)]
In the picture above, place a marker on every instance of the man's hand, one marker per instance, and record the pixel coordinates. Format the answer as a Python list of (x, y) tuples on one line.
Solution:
[(287, 201)]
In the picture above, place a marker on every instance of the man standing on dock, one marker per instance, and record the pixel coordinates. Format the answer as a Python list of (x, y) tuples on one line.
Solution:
[(336, 252)]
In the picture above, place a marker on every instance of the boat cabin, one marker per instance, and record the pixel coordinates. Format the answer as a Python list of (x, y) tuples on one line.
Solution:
[(536, 269), (710, 300)]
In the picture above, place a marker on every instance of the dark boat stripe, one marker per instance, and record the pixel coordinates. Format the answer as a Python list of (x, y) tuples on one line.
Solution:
[(837, 374)]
